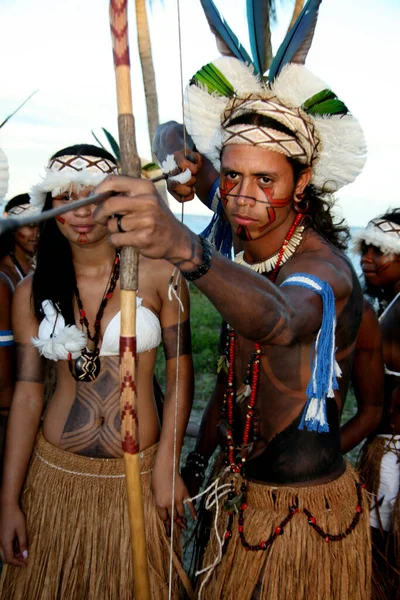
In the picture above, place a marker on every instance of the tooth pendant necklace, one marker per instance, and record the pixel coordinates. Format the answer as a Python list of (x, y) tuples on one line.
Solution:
[(287, 250)]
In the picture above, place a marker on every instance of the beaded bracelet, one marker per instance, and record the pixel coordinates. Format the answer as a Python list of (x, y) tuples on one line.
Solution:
[(205, 265)]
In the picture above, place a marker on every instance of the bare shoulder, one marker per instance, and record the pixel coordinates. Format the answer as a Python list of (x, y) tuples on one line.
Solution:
[(319, 258), (6, 288), (22, 305), (23, 291), (159, 268)]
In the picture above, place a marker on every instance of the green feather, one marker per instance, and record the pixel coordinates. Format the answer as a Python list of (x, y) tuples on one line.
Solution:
[(150, 167), (325, 94), (214, 80), (324, 102), (329, 107), (113, 143)]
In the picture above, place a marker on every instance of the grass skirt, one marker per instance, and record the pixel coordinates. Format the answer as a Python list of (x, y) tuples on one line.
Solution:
[(300, 564), (78, 531), (385, 545)]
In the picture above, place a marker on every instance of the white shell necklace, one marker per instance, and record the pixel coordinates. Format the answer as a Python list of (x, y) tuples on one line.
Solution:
[(268, 264)]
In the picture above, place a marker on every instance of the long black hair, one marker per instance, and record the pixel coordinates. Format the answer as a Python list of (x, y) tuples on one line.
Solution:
[(7, 241), (54, 277), (317, 204)]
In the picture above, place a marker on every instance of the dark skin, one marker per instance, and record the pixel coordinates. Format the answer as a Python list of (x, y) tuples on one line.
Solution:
[(6, 352), (368, 382), (383, 271), (368, 353), (284, 321), (26, 240)]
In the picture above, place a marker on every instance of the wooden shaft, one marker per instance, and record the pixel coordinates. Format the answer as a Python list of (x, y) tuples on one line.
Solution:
[(130, 165)]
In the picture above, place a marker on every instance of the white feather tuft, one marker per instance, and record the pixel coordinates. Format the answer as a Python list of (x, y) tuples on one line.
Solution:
[(57, 182), (56, 340), (296, 84), (388, 243), (343, 152), (182, 177), (169, 164)]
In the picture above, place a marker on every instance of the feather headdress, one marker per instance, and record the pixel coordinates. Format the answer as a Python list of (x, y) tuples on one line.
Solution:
[(380, 233), (340, 150)]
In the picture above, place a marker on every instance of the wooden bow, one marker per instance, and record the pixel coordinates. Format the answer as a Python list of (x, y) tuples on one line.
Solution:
[(130, 165)]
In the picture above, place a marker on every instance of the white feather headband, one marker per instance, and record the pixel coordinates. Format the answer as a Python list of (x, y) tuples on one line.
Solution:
[(380, 233), (64, 171), (340, 149)]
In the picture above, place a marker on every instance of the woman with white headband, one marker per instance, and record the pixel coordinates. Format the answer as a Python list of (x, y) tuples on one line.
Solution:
[(17, 251), (67, 526), (379, 248)]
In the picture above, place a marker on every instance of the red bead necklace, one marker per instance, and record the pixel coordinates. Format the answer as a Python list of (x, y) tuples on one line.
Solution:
[(252, 376)]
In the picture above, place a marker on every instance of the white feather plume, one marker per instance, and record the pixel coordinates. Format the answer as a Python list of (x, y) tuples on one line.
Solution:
[(56, 340), (60, 181)]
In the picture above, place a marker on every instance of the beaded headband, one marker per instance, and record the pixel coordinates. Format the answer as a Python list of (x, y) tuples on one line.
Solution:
[(64, 171), (380, 233)]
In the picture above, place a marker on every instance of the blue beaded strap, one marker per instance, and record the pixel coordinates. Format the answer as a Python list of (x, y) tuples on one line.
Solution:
[(6, 338), (324, 367)]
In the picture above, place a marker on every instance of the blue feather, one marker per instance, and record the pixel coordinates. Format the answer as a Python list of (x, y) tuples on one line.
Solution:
[(298, 40), (223, 32), (259, 33)]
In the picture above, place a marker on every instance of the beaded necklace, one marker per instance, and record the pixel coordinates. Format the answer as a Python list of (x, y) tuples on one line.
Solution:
[(237, 501), (289, 247), (87, 366)]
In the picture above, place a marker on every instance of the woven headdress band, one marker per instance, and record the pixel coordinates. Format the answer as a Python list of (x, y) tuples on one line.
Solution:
[(64, 171), (22, 210), (380, 233), (301, 143)]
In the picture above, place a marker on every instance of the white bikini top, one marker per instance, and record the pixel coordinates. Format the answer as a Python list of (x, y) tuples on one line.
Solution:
[(56, 340)]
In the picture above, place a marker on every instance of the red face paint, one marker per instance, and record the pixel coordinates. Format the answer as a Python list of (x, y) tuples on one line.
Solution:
[(273, 203), (225, 190), (83, 239), (20, 235), (243, 233), (60, 220)]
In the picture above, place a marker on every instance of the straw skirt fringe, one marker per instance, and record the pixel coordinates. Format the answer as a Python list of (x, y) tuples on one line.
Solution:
[(300, 564), (78, 531)]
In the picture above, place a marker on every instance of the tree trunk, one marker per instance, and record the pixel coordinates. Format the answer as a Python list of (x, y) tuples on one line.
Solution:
[(146, 61)]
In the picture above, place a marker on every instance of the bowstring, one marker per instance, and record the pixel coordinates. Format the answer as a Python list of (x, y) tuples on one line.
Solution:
[(179, 292)]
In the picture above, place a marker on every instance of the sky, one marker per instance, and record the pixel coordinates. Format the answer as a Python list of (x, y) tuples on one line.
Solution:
[(64, 50)]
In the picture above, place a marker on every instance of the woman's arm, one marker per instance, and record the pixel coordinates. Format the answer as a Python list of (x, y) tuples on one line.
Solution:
[(6, 347), (178, 399), (367, 380), (24, 420)]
